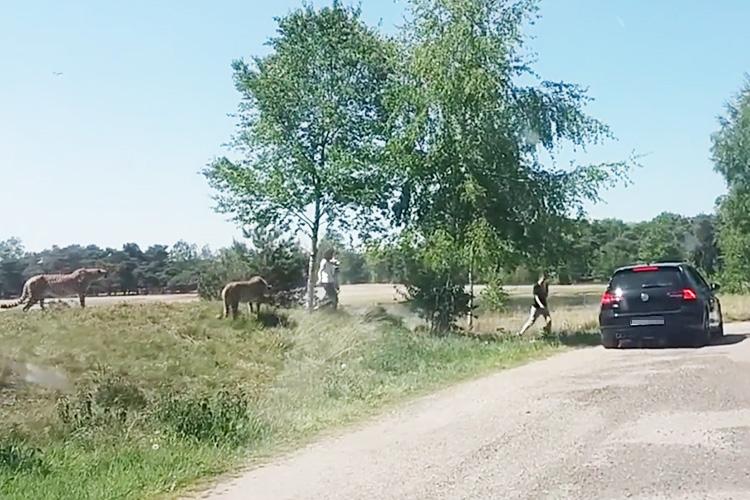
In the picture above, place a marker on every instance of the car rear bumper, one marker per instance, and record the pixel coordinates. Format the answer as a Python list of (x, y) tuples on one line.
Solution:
[(676, 330)]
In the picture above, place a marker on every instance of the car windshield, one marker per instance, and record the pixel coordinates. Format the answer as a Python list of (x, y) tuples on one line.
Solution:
[(668, 277)]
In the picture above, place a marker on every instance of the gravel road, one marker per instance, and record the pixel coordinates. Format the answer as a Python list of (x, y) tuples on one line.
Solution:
[(587, 424)]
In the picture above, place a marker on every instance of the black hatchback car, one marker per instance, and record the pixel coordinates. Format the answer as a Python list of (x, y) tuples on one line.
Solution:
[(662, 304)]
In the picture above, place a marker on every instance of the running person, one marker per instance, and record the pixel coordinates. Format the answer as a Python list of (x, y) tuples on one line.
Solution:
[(539, 306)]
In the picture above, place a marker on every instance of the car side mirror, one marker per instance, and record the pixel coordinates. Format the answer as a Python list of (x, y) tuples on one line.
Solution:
[(715, 287)]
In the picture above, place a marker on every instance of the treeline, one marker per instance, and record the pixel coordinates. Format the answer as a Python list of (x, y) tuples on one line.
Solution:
[(598, 248), (182, 267), (132, 270)]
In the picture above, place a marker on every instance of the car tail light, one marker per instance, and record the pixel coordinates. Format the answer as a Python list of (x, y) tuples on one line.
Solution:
[(645, 269), (609, 298), (686, 294)]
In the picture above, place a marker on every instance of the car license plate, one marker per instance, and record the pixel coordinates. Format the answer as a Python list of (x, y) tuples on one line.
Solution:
[(647, 322)]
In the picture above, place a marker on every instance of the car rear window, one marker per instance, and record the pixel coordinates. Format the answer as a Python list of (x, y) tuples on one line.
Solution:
[(665, 277)]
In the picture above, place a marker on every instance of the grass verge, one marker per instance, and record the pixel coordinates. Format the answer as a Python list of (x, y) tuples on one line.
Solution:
[(163, 395)]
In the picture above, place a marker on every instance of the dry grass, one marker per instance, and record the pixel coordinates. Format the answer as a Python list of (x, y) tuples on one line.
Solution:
[(383, 293), (735, 307)]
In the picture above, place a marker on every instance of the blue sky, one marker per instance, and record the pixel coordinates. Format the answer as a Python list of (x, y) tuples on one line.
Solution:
[(110, 150)]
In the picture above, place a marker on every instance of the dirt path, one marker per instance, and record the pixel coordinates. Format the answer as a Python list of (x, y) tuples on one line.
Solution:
[(588, 424)]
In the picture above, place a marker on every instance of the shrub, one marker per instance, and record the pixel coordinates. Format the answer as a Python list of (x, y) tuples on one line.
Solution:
[(220, 419), (232, 264), (435, 280), (110, 400), (280, 261), (494, 297)]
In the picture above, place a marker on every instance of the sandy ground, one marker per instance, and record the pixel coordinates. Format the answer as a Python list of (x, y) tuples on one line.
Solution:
[(129, 299), (588, 424), (351, 295)]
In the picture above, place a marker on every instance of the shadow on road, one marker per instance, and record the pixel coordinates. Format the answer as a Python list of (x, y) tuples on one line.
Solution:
[(579, 339), (728, 340), (593, 339)]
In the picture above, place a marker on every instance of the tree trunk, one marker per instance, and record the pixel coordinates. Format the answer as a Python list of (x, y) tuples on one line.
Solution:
[(311, 267), (470, 318), (311, 274)]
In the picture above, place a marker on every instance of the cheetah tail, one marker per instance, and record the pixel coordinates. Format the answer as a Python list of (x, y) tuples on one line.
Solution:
[(17, 303)]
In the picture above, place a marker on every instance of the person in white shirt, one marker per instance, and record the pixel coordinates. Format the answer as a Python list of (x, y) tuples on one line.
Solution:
[(328, 278)]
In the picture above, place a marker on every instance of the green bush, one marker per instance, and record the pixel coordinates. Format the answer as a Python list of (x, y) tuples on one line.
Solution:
[(494, 297), (111, 400), (435, 280), (280, 261), (221, 419)]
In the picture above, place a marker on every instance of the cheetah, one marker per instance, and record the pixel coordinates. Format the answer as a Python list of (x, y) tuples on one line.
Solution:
[(42, 286), (255, 289)]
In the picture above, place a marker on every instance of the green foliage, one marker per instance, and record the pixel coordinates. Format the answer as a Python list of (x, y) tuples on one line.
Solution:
[(278, 259), (109, 401), (734, 240), (731, 143), (223, 418), (12, 248), (615, 253), (663, 239), (434, 278), (383, 263), (231, 264), (592, 250), (704, 252), (132, 270), (494, 296), (731, 155), (19, 458), (466, 147), (467, 137)]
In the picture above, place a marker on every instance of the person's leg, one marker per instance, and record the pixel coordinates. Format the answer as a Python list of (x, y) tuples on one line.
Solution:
[(330, 298), (533, 315), (334, 296), (323, 302), (547, 321)]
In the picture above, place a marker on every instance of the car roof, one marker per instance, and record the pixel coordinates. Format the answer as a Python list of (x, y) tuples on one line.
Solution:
[(659, 264)]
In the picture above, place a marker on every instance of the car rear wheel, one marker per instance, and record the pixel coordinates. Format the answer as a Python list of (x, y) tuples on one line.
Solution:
[(609, 342), (718, 331), (703, 337)]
